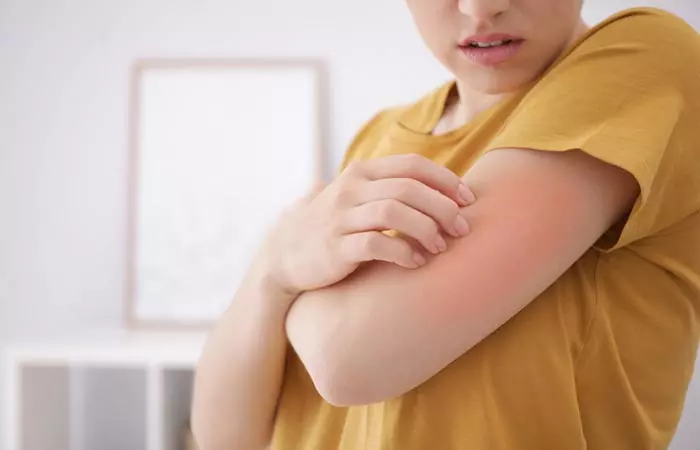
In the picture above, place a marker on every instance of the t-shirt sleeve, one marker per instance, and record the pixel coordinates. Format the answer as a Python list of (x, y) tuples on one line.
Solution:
[(626, 95)]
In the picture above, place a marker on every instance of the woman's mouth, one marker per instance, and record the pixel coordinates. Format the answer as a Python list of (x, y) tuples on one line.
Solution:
[(476, 44), (491, 50)]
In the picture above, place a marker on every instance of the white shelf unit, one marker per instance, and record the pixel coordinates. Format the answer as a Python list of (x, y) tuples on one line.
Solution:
[(129, 393)]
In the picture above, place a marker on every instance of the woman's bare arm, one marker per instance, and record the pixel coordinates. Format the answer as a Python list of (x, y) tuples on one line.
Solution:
[(384, 330), (240, 372)]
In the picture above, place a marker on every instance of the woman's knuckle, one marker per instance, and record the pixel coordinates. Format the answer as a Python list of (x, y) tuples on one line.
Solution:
[(343, 197), (406, 188), (386, 212), (414, 161), (353, 168)]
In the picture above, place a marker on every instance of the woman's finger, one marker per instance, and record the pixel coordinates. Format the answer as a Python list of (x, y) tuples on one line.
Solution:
[(419, 168), (377, 246), (416, 195), (390, 214)]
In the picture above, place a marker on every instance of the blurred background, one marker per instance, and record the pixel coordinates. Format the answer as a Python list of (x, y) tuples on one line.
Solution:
[(64, 170)]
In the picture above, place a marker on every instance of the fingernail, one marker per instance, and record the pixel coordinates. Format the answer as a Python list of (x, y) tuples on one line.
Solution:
[(466, 194), (440, 243), (461, 226), (419, 259)]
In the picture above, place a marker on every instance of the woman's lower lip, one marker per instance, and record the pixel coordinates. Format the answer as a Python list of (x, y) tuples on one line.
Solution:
[(492, 56)]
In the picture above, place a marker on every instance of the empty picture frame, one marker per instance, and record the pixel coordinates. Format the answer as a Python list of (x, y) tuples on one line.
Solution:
[(218, 150)]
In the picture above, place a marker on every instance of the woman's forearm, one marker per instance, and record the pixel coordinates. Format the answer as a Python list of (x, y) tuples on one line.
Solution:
[(319, 241), (240, 372)]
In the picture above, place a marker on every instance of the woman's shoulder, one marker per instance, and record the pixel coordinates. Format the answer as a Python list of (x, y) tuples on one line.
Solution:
[(640, 22), (637, 48), (644, 30)]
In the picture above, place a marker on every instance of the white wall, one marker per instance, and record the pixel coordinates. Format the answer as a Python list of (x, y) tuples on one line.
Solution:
[(63, 109)]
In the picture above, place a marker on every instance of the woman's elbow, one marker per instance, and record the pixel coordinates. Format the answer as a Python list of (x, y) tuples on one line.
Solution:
[(340, 379), (336, 388), (343, 395), (330, 350)]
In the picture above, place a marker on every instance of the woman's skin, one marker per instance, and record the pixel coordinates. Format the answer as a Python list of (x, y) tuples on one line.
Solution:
[(318, 279), (547, 27), (319, 242)]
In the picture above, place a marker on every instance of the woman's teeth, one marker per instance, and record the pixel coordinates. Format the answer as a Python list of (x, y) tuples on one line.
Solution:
[(489, 44)]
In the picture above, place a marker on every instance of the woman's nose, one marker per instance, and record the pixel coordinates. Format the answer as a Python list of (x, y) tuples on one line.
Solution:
[(483, 10)]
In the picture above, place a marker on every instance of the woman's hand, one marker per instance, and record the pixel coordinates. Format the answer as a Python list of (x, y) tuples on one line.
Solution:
[(324, 238)]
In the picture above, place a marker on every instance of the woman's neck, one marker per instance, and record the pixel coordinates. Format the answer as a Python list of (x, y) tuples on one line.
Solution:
[(462, 106)]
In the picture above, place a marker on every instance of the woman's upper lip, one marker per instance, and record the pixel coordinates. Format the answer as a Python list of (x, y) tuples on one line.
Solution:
[(493, 37)]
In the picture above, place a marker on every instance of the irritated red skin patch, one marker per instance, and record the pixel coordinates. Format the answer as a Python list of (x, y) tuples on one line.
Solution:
[(496, 260)]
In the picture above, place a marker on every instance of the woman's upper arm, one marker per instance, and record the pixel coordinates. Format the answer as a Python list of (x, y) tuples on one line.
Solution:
[(384, 330), (611, 123)]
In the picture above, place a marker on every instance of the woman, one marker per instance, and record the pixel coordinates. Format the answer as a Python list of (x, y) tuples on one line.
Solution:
[(511, 262)]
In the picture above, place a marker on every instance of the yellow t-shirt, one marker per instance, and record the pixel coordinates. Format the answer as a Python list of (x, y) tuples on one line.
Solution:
[(602, 359)]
